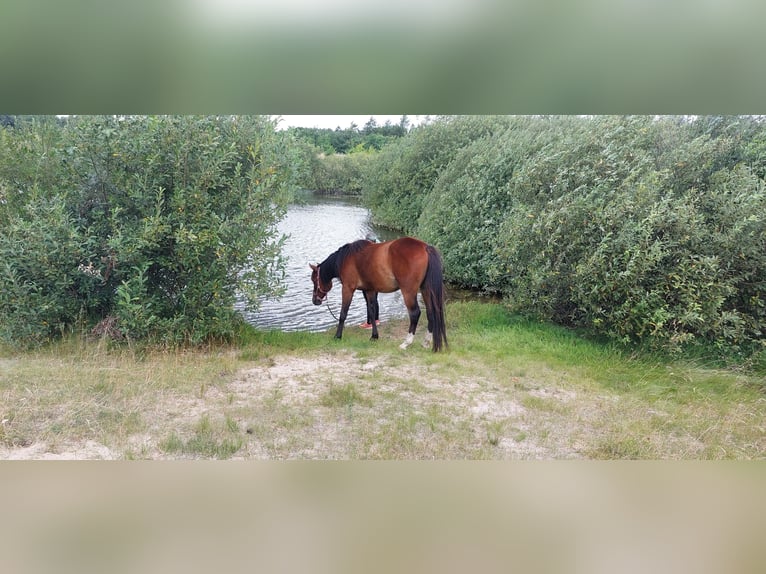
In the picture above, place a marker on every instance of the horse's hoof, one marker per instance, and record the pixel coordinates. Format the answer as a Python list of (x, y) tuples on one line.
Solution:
[(428, 341), (407, 341)]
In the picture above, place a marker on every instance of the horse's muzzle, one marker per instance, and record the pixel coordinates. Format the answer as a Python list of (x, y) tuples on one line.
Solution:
[(317, 300)]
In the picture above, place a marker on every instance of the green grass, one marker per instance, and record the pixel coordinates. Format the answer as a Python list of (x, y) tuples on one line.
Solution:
[(344, 396), (76, 391), (507, 387), (207, 440)]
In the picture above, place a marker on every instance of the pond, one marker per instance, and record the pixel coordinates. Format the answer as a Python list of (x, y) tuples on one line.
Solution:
[(316, 227)]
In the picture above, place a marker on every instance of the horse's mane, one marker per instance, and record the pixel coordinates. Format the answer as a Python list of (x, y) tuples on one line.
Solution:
[(331, 266)]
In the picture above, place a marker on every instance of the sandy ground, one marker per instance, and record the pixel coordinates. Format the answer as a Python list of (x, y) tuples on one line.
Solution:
[(261, 399)]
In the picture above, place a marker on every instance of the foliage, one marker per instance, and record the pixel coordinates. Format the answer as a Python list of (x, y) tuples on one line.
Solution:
[(340, 173), (341, 141), (649, 255), (41, 288), (644, 229), (338, 159), (403, 173), (30, 157), (164, 222), (469, 199)]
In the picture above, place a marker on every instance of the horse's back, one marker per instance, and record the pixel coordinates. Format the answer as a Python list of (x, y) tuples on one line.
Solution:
[(386, 267), (407, 248), (410, 243)]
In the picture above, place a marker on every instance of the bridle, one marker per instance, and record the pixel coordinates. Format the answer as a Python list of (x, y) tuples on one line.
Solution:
[(318, 286), (322, 293)]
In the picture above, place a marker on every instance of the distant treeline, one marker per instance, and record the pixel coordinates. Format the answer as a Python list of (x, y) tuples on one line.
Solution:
[(337, 159), (644, 229), (342, 141)]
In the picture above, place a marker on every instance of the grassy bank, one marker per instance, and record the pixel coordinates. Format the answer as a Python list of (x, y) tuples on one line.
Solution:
[(507, 388)]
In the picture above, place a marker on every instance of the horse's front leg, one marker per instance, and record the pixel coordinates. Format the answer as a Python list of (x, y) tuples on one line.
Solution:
[(372, 311), (348, 294)]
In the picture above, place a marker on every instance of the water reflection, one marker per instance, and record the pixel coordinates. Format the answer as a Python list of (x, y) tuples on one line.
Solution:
[(315, 228)]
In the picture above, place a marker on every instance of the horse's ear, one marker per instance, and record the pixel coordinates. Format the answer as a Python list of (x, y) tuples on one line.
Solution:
[(313, 267)]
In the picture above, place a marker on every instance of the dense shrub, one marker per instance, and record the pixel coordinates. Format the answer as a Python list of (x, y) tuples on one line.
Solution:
[(42, 292), (653, 255), (400, 176), (643, 229), (30, 158), (339, 173), (469, 199), (162, 222)]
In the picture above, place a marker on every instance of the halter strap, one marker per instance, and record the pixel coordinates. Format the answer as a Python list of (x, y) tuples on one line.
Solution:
[(322, 292)]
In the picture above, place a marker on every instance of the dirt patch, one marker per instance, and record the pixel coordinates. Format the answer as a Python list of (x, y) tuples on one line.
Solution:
[(87, 450), (342, 406), (405, 403)]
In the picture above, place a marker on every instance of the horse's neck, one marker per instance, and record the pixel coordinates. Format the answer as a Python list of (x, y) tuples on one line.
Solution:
[(328, 269)]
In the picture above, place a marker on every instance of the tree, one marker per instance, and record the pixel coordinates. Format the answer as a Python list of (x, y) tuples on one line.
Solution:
[(404, 124), (370, 126)]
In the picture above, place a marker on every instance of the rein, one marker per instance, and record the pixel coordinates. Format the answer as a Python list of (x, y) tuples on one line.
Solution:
[(327, 306)]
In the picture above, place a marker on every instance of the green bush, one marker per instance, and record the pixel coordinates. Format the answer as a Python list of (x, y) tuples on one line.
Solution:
[(403, 173), (668, 253), (470, 197), (340, 173), (42, 292), (162, 222), (647, 230)]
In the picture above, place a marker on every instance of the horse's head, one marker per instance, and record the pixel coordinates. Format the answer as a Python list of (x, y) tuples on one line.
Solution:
[(320, 290)]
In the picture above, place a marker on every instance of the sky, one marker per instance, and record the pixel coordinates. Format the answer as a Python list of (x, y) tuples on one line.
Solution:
[(332, 122)]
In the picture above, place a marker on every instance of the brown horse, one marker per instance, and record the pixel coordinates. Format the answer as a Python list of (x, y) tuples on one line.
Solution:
[(406, 263)]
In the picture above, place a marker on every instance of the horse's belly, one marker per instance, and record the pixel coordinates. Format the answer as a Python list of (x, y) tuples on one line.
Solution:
[(391, 287), (387, 285)]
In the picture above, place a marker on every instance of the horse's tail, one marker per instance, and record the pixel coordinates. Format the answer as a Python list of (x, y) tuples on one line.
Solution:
[(433, 294)]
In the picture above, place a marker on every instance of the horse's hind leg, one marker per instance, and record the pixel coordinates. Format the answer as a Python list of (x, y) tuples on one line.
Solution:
[(411, 301)]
